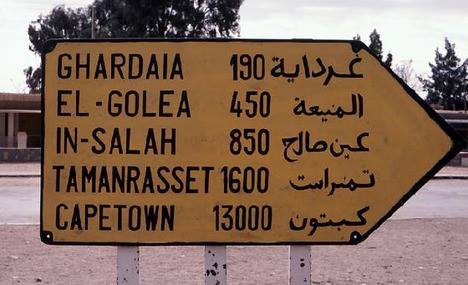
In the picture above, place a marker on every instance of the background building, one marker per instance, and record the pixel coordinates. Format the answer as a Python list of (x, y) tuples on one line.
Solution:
[(20, 127)]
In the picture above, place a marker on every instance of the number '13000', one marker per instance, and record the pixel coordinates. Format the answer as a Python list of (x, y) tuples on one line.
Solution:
[(240, 218)]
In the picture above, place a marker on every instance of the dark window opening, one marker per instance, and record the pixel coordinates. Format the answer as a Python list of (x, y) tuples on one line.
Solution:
[(6, 124)]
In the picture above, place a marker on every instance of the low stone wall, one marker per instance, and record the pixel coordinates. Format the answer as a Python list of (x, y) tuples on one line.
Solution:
[(34, 155), (20, 154), (461, 159), (456, 161)]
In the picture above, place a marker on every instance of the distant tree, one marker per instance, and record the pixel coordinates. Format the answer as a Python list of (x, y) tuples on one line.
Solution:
[(60, 23), (376, 47), (447, 83), (389, 60), (33, 79), (406, 72), (357, 37), (169, 18), (134, 18), (375, 44)]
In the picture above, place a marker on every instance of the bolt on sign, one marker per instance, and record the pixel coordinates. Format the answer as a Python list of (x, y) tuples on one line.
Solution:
[(229, 141)]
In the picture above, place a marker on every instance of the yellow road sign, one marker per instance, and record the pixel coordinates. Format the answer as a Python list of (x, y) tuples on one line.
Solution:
[(229, 141)]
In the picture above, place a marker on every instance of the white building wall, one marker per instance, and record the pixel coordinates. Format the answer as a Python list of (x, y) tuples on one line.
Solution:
[(11, 130)]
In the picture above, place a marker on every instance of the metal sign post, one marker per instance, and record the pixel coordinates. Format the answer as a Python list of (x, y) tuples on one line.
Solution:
[(299, 264), (215, 265), (128, 257), (128, 265)]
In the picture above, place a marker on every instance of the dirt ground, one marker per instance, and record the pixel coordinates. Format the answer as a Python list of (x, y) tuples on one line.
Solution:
[(417, 251)]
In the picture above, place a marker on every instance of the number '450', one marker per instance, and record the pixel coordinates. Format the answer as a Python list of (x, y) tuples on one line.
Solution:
[(252, 103)]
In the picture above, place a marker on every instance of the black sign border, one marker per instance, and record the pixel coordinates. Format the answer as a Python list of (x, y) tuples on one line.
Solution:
[(458, 142)]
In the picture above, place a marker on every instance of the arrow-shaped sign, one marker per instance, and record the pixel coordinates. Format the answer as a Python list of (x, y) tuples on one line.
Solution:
[(229, 141)]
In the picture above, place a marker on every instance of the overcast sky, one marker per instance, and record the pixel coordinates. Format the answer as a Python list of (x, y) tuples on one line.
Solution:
[(409, 29)]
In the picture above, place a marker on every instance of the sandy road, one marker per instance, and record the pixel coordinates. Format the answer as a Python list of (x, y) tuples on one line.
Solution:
[(20, 198)]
